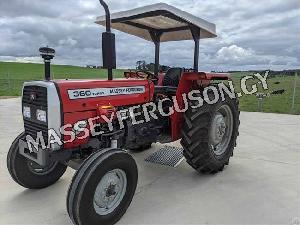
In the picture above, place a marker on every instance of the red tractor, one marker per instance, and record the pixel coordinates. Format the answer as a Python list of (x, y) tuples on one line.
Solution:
[(87, 124)]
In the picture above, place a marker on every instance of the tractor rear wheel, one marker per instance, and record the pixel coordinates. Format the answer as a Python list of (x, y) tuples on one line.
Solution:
[(209, 133), (28, 173), (102, 188)]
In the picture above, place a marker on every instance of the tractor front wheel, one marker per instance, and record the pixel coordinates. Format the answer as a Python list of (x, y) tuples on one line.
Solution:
[(209, 134), (28, 173), (102, 188)]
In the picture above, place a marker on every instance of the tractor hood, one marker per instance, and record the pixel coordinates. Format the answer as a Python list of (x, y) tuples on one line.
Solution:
[(84, 95)]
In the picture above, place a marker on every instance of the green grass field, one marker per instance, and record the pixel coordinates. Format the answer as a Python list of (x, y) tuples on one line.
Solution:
[(12, 76), (274, 103)]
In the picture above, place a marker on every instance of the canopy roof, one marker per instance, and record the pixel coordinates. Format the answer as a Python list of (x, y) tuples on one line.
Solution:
[(173, 24)]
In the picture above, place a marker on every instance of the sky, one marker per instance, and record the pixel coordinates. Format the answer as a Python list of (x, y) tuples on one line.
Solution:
[(252, 35)]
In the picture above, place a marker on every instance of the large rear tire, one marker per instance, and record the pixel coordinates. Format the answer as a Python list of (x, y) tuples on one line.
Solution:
[(28, 173), (103, 187), (209, 134)]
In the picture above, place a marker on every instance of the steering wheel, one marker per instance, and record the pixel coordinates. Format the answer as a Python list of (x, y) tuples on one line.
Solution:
[(149, 75)]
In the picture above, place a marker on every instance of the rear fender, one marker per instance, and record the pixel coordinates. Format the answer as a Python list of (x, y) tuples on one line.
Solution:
[(190, 81)]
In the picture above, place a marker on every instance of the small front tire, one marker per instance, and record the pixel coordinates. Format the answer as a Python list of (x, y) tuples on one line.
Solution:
[(103, 187), (28, 173)]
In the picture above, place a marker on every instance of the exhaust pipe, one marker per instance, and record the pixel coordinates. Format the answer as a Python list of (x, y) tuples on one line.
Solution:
[(47, 54), (108, 44)]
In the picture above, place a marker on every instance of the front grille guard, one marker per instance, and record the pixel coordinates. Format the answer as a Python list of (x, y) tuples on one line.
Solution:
[(39, 101), (40, 156)]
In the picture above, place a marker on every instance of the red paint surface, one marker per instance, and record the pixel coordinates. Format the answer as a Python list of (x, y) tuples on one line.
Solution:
[(190, 81), (83, 109)]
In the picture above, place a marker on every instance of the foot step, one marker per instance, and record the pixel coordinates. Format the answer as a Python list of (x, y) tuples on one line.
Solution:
[(167, 156)]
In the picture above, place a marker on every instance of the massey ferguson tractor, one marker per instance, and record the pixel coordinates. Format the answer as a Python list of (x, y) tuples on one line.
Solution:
[(72, 111)]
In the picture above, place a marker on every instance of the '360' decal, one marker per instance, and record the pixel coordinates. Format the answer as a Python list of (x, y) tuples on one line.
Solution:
[(100, 92)]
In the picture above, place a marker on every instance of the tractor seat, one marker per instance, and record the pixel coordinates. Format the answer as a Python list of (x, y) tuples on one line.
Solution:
[(172, 77)]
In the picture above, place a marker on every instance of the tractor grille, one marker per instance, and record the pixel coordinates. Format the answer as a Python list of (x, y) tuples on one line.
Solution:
[(35, 97), (32, 128), (39, 94)]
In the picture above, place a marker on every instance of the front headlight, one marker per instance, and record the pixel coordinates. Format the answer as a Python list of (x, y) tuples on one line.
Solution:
[(41, 115), (26, 112)]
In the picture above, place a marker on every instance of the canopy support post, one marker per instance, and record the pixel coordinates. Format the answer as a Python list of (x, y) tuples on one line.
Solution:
[(156, 64), (196, 36), (155, 36)]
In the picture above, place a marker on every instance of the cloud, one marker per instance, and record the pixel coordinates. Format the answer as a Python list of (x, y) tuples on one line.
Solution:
[(69, 41), (234, 52), (261, 34)]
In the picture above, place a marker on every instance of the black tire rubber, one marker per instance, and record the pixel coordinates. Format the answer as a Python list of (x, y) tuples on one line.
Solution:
[(19, 170), (82, 188), (195, 136)]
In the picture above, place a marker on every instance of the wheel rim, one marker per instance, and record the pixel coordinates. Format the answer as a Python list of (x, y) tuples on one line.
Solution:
[(40, 170), (221, 130), (110, 191)]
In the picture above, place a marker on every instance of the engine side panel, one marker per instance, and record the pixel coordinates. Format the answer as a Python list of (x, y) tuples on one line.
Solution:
[(113, 93)]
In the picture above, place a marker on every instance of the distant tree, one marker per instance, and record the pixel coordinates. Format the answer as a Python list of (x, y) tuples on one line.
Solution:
[(150, 67), (142, 65), (164, 68)]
